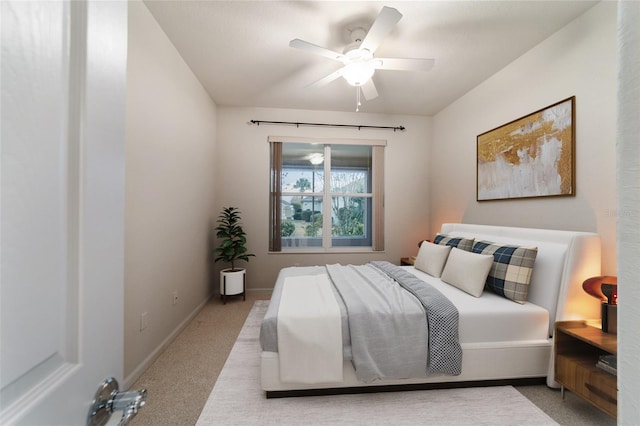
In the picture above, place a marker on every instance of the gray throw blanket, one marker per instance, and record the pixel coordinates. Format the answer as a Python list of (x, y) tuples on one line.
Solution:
[(445, 353), (393, 334)]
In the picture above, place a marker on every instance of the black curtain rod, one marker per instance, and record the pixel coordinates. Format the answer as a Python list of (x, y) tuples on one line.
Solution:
[(354, 126)]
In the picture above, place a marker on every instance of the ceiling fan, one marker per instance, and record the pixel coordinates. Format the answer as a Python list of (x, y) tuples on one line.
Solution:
[(359, 63)]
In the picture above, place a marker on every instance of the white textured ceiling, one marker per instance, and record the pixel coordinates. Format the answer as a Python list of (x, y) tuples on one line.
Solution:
[(240, 51)]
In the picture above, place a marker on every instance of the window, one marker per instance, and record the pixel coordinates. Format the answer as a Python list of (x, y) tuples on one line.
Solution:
[(326, 194)]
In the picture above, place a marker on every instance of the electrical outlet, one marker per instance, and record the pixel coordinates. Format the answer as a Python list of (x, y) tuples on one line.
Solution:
[(144, 321), (175, 297)]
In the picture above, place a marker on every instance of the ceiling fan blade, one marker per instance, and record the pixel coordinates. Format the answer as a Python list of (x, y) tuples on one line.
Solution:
[(381, 28), (326, 80), (369, 90), (312, 48), (404, 64)]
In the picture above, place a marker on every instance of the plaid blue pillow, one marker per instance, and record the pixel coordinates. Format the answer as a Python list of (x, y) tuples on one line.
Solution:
[(511, 271), (457, 242)]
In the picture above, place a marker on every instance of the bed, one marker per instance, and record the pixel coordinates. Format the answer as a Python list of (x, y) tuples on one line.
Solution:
[(500, 338)]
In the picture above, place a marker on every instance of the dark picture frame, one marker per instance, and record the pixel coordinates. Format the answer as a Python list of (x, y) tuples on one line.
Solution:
[(532, 156)]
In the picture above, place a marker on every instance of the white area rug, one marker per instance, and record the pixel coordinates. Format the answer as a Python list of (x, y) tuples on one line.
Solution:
[(237, 399)]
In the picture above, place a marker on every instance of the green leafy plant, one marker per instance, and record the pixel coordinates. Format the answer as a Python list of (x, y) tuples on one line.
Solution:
[(287, 228), (233, 238)]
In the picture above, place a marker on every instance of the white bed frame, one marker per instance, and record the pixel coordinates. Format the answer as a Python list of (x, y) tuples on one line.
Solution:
[(565, 259)]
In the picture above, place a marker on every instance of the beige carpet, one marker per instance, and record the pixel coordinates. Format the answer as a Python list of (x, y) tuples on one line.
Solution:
[(237, 399)]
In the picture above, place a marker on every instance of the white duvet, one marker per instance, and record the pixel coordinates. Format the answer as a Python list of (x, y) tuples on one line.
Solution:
[(309, 331)]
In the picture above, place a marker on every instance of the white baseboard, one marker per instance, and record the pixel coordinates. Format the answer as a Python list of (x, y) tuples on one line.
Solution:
[(142, 367)]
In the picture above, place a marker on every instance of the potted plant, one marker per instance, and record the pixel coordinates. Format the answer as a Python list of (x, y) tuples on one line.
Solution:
[(232, 248)]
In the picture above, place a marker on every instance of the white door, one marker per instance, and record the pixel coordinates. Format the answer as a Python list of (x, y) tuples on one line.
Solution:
[(62, 198)]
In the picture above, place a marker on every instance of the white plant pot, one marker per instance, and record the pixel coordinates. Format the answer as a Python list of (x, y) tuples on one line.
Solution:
[(232, 282)]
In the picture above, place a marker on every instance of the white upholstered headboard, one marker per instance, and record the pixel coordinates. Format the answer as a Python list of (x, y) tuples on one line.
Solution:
[(565, 259)]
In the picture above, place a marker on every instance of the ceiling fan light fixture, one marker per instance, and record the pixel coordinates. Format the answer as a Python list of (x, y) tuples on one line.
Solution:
[(358, 73), (359, 65), (316, 158)]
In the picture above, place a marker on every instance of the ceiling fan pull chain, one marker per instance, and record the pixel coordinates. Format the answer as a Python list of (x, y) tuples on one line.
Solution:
[(358, 99)]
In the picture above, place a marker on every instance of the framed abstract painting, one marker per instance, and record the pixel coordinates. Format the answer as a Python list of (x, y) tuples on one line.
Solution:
[(532, 156)]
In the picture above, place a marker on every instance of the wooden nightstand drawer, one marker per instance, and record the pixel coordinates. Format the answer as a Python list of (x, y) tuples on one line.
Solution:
[(577, 350), (602, 394), (596, 386)]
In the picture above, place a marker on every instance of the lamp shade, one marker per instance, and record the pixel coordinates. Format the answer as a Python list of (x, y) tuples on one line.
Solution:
[(358, 73), (593, 286)]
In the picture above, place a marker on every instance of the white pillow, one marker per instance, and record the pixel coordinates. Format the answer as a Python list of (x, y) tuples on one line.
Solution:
[(467, 271), (431, 258)]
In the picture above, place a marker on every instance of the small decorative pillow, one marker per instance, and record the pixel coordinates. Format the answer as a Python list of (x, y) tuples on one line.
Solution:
[(467, 271), (431, 258), (457, 242), (511, 271)]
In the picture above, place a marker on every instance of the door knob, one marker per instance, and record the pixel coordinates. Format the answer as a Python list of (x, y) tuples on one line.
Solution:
[(109, 399)]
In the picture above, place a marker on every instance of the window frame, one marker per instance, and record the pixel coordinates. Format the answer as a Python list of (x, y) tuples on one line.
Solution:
[(376, 195)]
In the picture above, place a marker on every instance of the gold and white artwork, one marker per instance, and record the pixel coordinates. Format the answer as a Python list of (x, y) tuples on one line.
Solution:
[(528, 157)]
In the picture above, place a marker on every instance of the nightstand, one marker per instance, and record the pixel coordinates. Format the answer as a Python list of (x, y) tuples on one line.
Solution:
[(407, 261), (577, 347)]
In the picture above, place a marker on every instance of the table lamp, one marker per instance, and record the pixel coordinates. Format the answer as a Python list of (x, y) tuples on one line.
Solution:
[(605, 288)]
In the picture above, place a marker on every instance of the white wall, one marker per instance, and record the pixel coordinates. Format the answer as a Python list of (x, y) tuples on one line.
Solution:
[(579, 60), (243, 180), (170, 188)]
